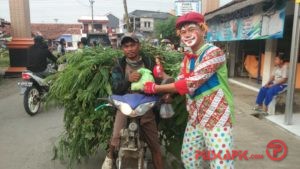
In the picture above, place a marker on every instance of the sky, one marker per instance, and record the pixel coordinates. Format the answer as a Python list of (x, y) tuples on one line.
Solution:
[(68, 11)]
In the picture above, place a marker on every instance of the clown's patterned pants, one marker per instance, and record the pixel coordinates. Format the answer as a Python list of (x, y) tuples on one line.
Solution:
[(198, 140)]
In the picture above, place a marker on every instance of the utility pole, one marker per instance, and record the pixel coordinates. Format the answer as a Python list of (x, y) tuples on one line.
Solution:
[(129, 29), (292, 66), (92, 7)]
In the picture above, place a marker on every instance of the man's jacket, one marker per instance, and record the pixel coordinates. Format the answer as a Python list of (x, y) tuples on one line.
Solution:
[(119, 83), (37, 58)]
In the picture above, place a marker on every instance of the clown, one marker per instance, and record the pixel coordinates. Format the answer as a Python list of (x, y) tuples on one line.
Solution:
[(203, 79)]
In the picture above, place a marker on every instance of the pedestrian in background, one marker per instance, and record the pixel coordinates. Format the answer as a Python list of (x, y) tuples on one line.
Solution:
[(84, 42), (61, 49)]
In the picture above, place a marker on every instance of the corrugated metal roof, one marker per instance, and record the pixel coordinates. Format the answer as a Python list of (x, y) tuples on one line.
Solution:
[(231, 7), (149, 14), (113, 21), (100, 18)]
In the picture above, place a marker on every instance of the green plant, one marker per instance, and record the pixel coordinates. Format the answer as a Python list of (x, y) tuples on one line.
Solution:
[(4, 57), (77, 88), (166, 30), (87, 78)]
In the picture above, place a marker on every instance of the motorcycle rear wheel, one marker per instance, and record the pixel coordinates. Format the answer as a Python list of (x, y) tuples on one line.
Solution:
[(32, 100)]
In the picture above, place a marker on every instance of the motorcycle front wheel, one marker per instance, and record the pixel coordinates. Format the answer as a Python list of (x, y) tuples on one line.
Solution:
[(32, 100)]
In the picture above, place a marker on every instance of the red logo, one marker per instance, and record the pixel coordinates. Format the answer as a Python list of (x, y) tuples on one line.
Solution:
[(276, 150)]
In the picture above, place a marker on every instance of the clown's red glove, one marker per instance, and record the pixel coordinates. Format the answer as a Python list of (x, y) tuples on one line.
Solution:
[(149, 88)]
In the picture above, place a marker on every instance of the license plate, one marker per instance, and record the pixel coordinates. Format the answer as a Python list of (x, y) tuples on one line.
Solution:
[(24, 85)]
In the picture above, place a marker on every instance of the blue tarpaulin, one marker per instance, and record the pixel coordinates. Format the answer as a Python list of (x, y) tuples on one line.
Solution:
[(68, 38)]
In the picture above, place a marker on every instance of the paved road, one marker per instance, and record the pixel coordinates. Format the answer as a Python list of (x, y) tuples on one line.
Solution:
[(26, 142), (253, 134)]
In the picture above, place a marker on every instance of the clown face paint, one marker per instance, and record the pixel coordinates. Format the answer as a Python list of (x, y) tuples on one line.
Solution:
[(190, 35)]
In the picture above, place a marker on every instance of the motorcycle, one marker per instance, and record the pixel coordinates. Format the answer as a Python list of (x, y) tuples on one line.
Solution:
[(34, 88), (132, 151)]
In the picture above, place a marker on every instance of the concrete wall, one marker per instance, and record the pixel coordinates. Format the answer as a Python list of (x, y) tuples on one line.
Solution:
[(209, 5), (270, 53)]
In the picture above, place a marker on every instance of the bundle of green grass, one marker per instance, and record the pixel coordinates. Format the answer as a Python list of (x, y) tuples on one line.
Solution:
[(86, 78)]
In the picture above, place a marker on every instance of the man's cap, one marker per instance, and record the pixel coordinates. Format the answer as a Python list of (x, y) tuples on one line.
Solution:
[(189, 17), (129, 36)]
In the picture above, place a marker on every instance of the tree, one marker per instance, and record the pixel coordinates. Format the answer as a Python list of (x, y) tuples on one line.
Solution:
[(166, 30)]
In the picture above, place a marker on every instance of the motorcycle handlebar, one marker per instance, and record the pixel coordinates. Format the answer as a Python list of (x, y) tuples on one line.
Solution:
[(109, 104)]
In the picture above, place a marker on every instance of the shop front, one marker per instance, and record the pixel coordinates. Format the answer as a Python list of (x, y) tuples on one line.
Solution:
[(252, 33)]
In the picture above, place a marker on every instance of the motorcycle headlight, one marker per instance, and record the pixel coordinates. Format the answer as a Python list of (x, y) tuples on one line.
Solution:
[(143, 108), (132, 126), (123, 107)]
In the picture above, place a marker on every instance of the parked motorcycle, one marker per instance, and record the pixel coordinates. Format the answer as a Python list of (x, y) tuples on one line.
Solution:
[(132, 149), (34, 88)]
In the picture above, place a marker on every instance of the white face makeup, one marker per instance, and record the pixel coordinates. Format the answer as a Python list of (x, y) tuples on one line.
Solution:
[(189, 35)]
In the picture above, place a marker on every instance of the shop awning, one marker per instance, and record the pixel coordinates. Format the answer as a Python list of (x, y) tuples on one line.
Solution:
[(230, 7), (247, 20)]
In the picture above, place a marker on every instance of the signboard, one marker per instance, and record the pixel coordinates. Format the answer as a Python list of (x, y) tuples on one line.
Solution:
[(184, 6), (248, 28)]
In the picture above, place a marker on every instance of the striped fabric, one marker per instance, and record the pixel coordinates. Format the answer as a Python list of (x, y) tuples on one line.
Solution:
[(210, 108)]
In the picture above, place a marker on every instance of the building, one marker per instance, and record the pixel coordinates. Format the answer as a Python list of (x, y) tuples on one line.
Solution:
[(251, 28), (101, 29), (54, 32), (113, 23), (4, 32), (252, 32), (143, 21), (201, 6), (209, 5), (113, 29), (3, 23), (99, 24)]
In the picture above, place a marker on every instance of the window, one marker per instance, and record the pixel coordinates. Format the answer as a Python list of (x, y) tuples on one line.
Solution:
[(147, 24), (85, 28), (98, 27), (69, 44)]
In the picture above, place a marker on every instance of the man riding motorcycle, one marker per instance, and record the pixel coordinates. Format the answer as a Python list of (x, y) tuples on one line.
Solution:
[(37, 56), (34, 87), (123, 74)]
